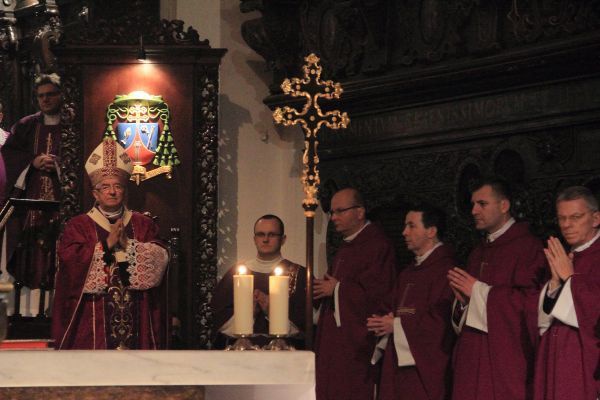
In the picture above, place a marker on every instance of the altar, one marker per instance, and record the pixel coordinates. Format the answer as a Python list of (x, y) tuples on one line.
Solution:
[(169, 374)]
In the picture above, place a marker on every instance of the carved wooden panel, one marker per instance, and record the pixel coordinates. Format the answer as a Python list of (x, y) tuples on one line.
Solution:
[(71, 143), (358, 40), (442, 92), (537, 162), (204, 267)]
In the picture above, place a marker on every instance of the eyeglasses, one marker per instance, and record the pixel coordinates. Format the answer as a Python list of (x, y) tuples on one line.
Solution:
[(268, 235), (48, 94), (571, 218), (117, 187), (339, 211)]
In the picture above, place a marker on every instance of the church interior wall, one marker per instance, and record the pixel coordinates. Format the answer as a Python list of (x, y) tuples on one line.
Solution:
[(259, 163)]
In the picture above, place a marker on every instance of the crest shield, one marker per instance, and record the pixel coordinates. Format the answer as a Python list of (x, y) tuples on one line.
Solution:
[(139, 140)]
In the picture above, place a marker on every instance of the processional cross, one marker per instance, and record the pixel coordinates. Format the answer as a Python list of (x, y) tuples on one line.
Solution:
[(311, 118)]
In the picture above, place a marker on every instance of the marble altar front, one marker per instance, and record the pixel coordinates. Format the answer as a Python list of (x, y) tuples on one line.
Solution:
[(168, 374)]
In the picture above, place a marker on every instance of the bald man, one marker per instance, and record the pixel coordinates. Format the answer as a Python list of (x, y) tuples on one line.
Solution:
[(352, 289)]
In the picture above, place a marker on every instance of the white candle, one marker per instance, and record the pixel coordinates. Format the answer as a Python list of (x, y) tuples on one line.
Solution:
[(278, 303), (243, 302)]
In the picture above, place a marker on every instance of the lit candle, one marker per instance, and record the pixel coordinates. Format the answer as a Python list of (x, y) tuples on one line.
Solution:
[(243, 302), (278, 303)]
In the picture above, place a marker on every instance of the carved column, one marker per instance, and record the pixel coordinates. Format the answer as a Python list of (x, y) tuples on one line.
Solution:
[(204, 266)]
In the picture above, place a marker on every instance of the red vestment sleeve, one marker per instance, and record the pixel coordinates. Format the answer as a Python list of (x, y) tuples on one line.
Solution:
[(75, 254)]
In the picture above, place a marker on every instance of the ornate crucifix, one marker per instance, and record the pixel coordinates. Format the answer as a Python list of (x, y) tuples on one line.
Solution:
[(311, 118)]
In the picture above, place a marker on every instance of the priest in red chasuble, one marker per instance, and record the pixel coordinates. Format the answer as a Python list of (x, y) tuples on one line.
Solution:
[(353, 289), (568, 360), (416, 335), (31, 158), (109, 292), (495, 311)]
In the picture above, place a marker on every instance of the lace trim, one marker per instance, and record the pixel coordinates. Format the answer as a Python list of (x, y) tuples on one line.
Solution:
[(147, 264), (97, 279)]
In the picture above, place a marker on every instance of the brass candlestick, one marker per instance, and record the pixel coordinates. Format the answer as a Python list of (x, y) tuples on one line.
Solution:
[(242, 343), (279, 343)]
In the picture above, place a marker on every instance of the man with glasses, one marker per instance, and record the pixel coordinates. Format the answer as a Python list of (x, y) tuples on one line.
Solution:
[(494, 312), (569, 305), (269, 236), (353, 289), (109, 292), (31, 157)]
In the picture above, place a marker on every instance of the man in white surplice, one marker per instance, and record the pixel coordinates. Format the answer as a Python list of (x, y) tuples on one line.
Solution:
[(269, 237)]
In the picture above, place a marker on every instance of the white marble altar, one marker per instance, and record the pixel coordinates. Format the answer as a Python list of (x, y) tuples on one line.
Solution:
[(224, 374)]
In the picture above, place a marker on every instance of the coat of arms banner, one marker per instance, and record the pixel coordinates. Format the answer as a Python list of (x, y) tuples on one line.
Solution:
[(140, 123)]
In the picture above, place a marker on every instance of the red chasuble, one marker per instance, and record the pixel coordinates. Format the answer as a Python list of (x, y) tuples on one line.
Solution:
[(423, 301), (568, 361), (91, 321), (498, 365), (365, 268), (222, 302)]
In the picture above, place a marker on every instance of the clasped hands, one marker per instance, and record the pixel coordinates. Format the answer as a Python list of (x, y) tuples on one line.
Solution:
[(117, 235), (381, 325), (261, 302), (461, 283), (45, 162), (561, 263), (324, 287), (561, 268)]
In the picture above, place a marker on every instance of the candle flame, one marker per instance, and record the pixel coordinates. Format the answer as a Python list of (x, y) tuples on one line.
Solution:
[(278, 271), (242, 270)]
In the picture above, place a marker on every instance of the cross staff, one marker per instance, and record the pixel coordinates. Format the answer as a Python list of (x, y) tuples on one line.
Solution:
[(311, 118)]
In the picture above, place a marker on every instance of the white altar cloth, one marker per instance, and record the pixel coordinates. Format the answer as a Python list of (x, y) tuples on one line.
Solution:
[(228, 375)]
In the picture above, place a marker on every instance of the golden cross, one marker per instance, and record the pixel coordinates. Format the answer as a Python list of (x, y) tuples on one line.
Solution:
[(311, 118), (138, 113)]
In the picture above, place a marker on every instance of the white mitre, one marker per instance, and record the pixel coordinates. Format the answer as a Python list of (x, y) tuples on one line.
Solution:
[(108, 160)]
